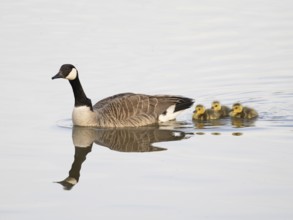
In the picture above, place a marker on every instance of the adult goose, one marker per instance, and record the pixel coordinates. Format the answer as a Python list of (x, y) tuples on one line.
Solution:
[(122, 110)]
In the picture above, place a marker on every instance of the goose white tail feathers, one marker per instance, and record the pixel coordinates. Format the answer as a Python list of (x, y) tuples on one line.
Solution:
[(173, 110)]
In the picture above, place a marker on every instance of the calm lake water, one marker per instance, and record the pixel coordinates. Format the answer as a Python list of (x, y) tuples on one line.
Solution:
[(226, 50)]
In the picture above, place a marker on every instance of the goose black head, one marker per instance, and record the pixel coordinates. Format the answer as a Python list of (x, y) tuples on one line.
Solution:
[(67, 71)]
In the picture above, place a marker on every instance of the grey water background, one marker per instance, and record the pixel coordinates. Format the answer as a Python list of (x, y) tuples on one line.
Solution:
[(226, 50)]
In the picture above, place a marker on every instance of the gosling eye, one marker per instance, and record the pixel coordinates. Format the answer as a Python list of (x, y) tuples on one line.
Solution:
[(216, 106)]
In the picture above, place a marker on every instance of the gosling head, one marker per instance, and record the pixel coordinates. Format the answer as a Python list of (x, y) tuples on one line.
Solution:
[(199, 109), (216, 106), (237, 108), (67, 71)]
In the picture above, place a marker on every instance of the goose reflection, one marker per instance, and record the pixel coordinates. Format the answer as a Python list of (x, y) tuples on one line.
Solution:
[(122, 140)]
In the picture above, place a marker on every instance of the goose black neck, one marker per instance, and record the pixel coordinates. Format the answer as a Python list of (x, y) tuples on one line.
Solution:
[(79, 95)]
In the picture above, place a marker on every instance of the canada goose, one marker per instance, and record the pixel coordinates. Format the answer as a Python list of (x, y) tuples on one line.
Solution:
[(121, 110), (201, 113), (221, 109), (239, 111)]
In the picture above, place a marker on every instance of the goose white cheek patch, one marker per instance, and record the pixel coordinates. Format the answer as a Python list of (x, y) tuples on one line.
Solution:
[(72, 75)]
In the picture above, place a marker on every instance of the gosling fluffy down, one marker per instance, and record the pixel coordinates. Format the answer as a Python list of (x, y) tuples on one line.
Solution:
[(201, 113), (222, 110), (239, 111)]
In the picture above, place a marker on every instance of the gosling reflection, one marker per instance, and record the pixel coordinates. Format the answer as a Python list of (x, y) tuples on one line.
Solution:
[(219, 133), (235, 122), (241, 123), (122, 140), (210, 123)]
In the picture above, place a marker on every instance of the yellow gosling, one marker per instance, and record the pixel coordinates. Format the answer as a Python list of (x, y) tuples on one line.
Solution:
[(201, 113), (239, 111), (221, 109)]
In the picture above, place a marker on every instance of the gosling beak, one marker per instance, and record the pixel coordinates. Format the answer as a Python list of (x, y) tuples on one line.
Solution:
[(194, 111), (212, 107), (58, 75)]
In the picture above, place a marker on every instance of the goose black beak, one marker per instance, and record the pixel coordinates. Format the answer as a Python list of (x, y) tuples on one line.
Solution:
[(58, 75)]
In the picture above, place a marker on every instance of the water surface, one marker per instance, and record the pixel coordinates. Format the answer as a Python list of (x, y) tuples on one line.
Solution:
[(232, 51)]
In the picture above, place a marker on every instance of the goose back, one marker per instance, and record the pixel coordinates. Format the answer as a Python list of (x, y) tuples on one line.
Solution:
[(134, 110)]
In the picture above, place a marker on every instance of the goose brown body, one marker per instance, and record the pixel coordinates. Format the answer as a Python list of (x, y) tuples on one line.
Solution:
[(134, 110)]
